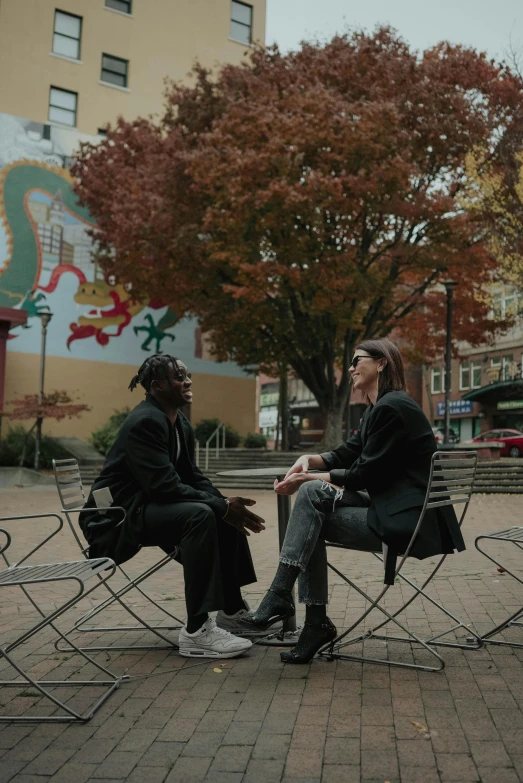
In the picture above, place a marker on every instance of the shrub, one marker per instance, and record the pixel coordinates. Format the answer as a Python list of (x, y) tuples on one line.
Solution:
[(103, 438), (12, 445), (205, 428), (255, 440)]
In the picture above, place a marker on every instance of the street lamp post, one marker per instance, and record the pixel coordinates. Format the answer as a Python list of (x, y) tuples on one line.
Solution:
[(450, 285), (45, 318)]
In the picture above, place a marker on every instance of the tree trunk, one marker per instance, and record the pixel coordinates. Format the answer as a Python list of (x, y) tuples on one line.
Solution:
[(428, 388), (333, 435), (284, 409), (24, 448)]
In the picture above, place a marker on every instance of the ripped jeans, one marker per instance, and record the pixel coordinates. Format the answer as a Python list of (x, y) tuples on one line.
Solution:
[(310, 526)]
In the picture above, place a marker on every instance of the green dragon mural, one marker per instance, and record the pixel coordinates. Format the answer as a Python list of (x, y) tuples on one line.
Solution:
[(111, 306)]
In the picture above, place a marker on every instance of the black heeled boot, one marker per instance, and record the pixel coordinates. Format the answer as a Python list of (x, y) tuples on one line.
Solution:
[(275, 606), (312, 638)]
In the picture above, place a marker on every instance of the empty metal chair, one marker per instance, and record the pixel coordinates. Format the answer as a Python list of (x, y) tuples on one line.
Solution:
[(512, 535), (78, 577), (72, 498), (451, 482)]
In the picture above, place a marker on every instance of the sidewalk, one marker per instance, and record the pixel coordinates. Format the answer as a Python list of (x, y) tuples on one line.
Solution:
[(256, 720)]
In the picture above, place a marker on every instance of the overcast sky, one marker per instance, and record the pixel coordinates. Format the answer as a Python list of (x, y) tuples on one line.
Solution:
[(487, 25)]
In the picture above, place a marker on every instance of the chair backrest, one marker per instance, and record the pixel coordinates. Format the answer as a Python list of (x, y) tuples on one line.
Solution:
[(452, 476), (451, 482), (70, 490), (69, 483)]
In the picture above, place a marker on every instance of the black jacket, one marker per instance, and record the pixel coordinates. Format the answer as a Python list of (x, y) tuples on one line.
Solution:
[(142, 468), (390, 457)]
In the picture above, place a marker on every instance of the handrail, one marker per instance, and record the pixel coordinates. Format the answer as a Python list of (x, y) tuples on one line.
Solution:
[(216, 434)]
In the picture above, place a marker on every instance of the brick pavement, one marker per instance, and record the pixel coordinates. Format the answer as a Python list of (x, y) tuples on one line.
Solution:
[(256, 720)]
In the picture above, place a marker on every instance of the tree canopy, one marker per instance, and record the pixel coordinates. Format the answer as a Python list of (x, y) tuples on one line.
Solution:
[(299, 203), (55, 405)]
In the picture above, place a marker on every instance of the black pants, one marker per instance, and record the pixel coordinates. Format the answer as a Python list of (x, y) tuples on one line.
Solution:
[(215, 557)]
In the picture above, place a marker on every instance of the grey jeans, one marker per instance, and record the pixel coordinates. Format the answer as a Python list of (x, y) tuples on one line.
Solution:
[(310, 526)]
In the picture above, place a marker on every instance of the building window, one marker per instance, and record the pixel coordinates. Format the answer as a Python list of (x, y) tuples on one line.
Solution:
[(505, 302), (437, 380), (464, 376), (63, 106), (241, 22), (114, 70), (67, 34), (508, 368), (124, 6), (476, 375)]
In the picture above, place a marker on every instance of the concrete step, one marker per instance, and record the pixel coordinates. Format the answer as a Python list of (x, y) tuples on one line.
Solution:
[(492, 476), (494, 490), (81, 450)]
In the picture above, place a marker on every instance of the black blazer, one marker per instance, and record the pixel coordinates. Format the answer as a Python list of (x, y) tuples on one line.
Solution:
[(142, 468), (390, 457)]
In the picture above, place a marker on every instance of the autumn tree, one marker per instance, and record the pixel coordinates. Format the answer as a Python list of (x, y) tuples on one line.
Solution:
[(494, 194), (299, 203), (57, 405)]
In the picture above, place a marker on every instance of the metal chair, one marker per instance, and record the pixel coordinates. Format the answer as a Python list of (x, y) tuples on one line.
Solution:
[(72, 497), (76, 575), (451, 482), (512, 535)]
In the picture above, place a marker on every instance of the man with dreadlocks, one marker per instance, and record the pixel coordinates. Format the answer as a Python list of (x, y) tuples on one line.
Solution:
[(151, 473)]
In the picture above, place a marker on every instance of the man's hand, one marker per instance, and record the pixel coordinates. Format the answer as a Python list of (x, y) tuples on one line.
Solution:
[(241, 518), (300, 466), (291, 483)]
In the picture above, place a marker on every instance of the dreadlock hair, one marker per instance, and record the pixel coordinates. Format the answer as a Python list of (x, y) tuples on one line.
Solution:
[(154, 368)]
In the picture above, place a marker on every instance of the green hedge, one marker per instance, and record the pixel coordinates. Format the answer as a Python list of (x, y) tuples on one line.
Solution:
[(103, 438), (255, 440), (205, 428), (11, 447)]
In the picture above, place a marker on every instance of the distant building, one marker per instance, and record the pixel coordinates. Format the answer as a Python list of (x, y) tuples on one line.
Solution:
[(487, 381)]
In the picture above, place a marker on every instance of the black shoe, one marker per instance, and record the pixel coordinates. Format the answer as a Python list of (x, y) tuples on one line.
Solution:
[(273, 608), (312, 638)]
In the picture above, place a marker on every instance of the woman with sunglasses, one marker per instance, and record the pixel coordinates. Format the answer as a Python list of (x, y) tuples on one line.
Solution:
[(368, 492)]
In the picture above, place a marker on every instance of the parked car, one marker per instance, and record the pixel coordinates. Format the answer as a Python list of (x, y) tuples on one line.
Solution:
[(513, 440), (439, 434)]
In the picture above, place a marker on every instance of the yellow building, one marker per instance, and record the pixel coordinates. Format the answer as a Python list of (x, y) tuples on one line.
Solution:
[(66, 70), (82, 63)]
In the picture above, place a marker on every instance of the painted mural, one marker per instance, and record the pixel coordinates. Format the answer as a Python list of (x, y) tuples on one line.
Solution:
[(47, 262)]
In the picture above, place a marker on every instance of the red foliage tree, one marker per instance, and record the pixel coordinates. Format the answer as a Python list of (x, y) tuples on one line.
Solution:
[(56, 405), (300, 203)]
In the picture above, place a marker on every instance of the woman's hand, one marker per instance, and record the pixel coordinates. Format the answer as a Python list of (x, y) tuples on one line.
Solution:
[(300, 466), (291, 483)]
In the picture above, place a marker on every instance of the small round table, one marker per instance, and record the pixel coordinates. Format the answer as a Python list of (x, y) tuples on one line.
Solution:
[(284, 512)]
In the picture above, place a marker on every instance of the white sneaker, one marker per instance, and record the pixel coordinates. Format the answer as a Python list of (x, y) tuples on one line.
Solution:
[(211, 642), (235, 623)]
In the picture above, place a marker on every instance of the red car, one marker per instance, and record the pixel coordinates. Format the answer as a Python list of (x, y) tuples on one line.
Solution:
[(513, 440)]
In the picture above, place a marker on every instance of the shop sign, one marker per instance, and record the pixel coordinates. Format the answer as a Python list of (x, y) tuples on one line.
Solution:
[(269, 398), (509, 405), (457, 408), (268, 418)]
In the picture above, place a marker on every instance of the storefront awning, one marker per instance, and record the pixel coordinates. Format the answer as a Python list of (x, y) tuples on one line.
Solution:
[(494, 392)]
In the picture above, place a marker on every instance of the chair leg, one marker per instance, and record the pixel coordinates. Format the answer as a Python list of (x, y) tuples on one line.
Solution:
[(331, 650), (116, 596), (513, 620), (44, 686), (475, 640)]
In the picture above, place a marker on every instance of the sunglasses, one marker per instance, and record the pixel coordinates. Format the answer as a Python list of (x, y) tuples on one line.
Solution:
[(182, 376), (356, 360)]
